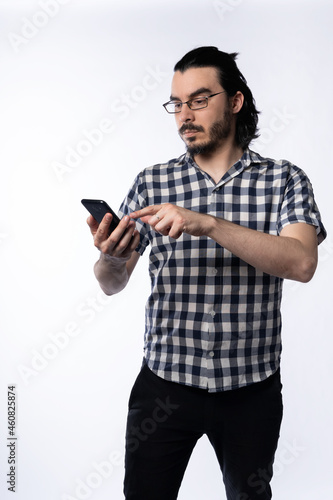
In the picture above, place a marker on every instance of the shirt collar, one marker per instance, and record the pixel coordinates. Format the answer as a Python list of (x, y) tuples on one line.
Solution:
[(248, 158)]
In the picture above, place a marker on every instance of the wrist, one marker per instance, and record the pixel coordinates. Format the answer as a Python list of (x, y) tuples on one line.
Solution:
[(211, 226), (113, 261)]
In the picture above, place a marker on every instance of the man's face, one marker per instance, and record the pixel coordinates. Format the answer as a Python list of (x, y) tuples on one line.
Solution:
[(203, 130)]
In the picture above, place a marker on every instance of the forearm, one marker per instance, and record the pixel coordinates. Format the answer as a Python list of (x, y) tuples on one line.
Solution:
[(111, 273), (291, 255), (281, 256)]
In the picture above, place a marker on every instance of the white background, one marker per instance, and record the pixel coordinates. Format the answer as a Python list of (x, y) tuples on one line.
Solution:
[(63, 74)]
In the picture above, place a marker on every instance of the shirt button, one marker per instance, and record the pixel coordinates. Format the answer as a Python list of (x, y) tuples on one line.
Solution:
[(212, 271), (211, 354), (212, 313)]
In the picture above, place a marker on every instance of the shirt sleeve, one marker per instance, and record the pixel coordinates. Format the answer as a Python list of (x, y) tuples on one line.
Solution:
[(135, 200), (299, 205)]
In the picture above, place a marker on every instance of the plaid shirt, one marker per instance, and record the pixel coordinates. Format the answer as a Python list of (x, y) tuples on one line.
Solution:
[(212, 320)]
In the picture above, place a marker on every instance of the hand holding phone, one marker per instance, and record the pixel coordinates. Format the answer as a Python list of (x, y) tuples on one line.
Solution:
[(124, 243), (99, 208)]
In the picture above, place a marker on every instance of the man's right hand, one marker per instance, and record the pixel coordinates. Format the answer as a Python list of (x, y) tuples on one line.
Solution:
[(118, 258), (122, 241)]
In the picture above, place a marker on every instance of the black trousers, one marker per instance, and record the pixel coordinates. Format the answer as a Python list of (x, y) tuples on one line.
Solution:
[(166, 419)]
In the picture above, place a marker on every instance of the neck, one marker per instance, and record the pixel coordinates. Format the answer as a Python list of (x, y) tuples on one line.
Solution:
[(217, 163)]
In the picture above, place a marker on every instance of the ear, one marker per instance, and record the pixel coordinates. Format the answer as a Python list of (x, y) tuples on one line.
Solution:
[(237, 102)]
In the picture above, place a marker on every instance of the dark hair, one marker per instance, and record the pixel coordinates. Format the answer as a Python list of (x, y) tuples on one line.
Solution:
[(232, 81)]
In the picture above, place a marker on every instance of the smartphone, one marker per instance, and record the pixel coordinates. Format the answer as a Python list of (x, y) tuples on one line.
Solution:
[(98, 208)]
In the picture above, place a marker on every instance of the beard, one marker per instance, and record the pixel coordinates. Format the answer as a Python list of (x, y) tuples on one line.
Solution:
[(218, 132)]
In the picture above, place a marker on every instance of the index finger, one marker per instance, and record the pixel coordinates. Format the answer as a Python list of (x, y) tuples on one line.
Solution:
[(151, 210)]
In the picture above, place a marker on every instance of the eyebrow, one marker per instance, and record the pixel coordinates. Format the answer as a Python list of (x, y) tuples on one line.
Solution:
[(201, 90)]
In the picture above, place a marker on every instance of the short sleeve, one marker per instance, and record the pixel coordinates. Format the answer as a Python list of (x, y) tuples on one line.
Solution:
[(299, 205), (135, 200)]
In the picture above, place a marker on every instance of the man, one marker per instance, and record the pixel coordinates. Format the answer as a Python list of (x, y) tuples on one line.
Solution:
[(225, 226)]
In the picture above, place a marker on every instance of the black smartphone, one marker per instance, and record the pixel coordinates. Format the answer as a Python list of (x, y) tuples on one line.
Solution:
[(98, 208)]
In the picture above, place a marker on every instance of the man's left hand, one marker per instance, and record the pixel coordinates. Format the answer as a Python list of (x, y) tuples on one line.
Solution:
[(171, 220)]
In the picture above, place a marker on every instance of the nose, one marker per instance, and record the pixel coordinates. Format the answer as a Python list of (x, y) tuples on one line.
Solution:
[(186, 114)]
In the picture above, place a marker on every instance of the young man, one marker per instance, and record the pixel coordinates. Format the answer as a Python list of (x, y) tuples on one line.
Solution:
[(225, 227)]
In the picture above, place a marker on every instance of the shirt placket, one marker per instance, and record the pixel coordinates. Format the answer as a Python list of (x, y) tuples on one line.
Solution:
[(212, 299)]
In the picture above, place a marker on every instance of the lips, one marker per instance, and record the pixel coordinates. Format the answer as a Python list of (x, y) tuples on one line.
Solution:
[(188, 131)]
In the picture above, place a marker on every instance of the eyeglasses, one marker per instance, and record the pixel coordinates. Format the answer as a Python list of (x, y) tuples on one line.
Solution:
[(196, 103)]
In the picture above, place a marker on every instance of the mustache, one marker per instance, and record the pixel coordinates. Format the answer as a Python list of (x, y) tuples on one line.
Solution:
[(189, 126)]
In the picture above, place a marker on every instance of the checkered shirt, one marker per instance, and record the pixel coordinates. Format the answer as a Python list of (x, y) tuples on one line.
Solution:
[(212, 320)]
